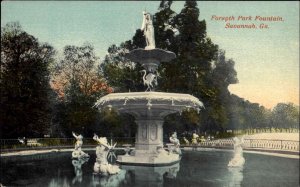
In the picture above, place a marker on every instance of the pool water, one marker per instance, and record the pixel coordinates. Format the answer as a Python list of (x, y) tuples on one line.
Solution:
[(197, 168)]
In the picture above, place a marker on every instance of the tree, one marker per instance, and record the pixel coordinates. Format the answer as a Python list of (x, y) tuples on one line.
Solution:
[(186, 121), (24, 83), (222, 75), (79, 85), (122, 74), (243, 114), (223, 72), (165, 32), (79, 65), (195, 53), (285, 115)]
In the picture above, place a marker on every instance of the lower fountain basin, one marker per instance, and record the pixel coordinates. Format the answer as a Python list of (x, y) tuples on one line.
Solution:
[(149, 110), (146, 160)]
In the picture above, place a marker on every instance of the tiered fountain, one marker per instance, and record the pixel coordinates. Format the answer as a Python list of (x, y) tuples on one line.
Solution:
[(149, 108)]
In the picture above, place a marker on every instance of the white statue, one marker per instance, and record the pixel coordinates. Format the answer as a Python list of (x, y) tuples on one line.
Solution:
[(148, 29), (101, 165), (238, 160), (175, 141), (195, 139), (149, 79), (22, 141), (78, 153)]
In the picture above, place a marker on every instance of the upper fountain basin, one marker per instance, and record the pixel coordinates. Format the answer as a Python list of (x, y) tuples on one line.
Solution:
[(150, 58), (141, 55)]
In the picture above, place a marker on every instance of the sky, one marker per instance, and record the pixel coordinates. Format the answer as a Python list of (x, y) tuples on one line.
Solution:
[(266, 60)]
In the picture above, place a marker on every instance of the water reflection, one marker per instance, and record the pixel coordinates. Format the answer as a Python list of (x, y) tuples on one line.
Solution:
[(77, 163), (59, 182), (197, 168), (110, 180), (149, 176), (236, 176)]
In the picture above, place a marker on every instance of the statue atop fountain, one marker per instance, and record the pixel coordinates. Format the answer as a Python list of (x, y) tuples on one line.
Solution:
[(148, 29), (238, 160), (101, 165), (150, 57), (149, 108), (78, 153)]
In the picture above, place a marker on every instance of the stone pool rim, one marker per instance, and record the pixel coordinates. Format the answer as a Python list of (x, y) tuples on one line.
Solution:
[(279, 153)]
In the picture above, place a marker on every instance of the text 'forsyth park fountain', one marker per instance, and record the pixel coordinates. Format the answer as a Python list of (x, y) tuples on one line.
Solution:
[(149, 108)]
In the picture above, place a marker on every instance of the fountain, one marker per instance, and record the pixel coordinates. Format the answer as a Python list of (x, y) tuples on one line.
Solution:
[(149, 108)]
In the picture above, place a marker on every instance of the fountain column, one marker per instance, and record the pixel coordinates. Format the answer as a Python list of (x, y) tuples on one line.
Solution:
[(149, 136)]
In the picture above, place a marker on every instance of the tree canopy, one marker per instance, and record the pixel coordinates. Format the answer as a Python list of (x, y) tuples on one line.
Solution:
[(24, 83)]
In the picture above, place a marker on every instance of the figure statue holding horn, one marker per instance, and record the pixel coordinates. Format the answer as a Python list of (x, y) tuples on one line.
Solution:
[(101, 165)]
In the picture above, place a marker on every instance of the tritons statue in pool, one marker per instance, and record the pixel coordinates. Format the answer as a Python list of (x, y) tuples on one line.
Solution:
[(101, 165), (78, 153), (238, 160)]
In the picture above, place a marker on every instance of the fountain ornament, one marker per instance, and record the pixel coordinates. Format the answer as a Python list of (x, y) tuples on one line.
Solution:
[(238, 160), (175, 148), (149, 108), (78, 153), (101, 165), (195, 139)]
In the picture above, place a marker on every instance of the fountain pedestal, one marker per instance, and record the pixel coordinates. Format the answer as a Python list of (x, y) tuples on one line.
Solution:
[(149, 136), (149, 146)]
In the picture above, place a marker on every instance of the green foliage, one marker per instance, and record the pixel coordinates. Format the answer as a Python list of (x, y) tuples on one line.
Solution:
[(224, 73), (24, 83), (285, 115), (164, 31), (113, 124), (80, 80), (181, 123), (79, 112), (75, 112), (119, 72)]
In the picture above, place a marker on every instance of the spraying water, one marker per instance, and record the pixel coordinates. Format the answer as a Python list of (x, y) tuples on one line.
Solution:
[(238, 160)]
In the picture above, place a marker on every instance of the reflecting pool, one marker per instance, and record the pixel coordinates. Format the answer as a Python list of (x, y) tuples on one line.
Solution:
[(203, 167)]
